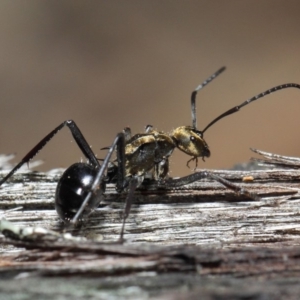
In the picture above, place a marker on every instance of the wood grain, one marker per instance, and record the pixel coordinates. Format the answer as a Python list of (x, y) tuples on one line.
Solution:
[(175, 238)]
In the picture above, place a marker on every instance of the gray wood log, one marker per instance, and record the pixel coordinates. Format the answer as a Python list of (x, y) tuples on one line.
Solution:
[(176, 239)]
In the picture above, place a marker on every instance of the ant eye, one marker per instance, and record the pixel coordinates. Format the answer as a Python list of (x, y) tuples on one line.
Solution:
[(192, 138)]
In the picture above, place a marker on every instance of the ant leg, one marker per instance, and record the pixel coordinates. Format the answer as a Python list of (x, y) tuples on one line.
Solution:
[(148, 128), (206, 174), (133, 184), (119, 142), (78, 136), (196, 162), (237, 189), (127, 133), (161, 170)]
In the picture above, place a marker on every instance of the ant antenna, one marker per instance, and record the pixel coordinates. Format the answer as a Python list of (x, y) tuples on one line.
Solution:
[(198, 88), (261, 95)]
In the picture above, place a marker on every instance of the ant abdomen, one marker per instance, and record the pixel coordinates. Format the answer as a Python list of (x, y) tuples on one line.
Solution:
[(72, 190)]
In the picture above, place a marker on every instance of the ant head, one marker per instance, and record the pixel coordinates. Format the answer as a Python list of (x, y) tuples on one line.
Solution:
[(188, 138), (191, 141)]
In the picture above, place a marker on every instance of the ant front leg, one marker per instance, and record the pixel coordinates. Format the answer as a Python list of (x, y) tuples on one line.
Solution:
[(206, 174)]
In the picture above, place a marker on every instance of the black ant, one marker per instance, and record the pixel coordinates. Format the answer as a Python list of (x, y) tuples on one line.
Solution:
[(82, 186)]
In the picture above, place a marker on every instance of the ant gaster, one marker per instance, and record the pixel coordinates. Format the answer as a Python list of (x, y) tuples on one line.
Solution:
[(82, 186)]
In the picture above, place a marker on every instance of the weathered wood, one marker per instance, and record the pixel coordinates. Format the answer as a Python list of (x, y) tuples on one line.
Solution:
[(61, 256), (199, 214), (174, 238)]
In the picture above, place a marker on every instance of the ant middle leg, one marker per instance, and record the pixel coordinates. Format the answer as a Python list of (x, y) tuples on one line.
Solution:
[(98, 185), (134, 182), (122, 182)]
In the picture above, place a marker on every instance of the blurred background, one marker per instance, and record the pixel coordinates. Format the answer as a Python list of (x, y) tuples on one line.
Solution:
[(111, 64)]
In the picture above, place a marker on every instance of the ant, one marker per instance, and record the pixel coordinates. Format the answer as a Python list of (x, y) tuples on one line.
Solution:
[(81, 188)]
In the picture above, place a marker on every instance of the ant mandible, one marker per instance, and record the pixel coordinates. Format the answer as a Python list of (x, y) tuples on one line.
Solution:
[(81, 188)]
